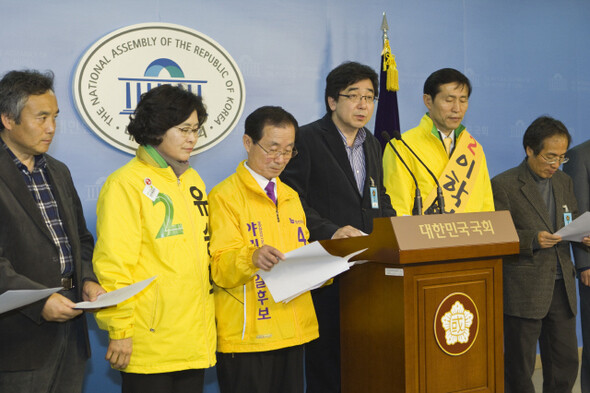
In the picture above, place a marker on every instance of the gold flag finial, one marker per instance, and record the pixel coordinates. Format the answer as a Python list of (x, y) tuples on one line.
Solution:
[(389, 65)]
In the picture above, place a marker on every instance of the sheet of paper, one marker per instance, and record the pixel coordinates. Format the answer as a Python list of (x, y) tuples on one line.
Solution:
[(12, 299), (577, 229), (304, 269), (115, 297)]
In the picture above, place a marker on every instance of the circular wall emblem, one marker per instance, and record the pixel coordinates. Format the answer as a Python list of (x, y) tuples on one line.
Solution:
[(456, 324), (114, 72)]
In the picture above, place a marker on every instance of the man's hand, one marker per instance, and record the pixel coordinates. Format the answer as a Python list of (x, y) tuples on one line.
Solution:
[(119, 352), (91, 290), (547, 239), (266, 257), (347, 231), (59, 308)]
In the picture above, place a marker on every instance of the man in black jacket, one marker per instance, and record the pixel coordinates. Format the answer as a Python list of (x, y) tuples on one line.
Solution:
[(339, 177), (44, 243)]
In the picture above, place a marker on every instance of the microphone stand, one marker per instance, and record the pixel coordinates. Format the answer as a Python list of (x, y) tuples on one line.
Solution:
[(439, 195), (417, 209)]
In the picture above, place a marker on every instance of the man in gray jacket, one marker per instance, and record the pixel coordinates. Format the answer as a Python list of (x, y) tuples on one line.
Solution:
[(539, 283)]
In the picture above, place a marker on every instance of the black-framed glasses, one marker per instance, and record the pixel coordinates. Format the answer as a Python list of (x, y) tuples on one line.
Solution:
[(274, 154), (554, 160), (356, 98)]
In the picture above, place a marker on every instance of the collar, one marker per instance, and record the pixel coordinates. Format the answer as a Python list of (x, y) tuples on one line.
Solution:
[(153, 157), (438, 134), (40, 161), (538, 179), (261, 180), (443, 136), (359, 138)]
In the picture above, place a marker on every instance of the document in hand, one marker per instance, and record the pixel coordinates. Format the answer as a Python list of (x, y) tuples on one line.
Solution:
[(304, 269), (12, 299), (577, 229), (115, 297)]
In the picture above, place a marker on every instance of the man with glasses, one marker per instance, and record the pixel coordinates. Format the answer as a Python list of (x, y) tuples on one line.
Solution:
[(444, 145), (339, 177), (578, 168), (539, 283), (255, 218)]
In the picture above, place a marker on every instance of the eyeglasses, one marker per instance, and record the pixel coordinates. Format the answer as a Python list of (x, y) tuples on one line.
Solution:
[(553, 160), (356, 98), (194, 130), (274, 154)]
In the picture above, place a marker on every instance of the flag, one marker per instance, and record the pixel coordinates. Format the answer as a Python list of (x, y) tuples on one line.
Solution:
[(387, 118)]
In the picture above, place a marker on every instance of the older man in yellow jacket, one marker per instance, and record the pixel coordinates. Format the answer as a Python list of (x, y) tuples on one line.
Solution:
[(255, 218)]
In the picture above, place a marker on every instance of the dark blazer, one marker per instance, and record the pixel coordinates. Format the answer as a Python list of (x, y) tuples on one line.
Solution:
[(529, 278), (578, 168), (30, 260), (322, 175)]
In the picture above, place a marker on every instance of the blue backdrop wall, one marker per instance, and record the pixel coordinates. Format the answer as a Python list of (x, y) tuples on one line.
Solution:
[(525, 58)]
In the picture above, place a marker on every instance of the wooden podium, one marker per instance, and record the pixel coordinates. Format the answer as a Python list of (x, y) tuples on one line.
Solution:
[(424, 314)]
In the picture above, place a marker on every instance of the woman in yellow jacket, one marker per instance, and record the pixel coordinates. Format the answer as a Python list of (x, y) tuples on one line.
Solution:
[(153, 221)]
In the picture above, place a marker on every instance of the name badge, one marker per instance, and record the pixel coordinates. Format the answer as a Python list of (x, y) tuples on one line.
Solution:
[(374, 194), (374, 198), (150, 191), (567, 216)]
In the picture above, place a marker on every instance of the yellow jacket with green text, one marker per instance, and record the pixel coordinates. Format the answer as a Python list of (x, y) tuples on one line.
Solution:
[(426, 143), (151, 223), (243, 218)]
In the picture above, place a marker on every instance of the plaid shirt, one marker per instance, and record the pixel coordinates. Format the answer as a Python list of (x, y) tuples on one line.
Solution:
[(38, 184)]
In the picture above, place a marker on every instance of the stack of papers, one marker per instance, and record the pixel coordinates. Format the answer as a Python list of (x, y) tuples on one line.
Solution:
[(115, 297), (304, 269), (577, 229), (10, 300)]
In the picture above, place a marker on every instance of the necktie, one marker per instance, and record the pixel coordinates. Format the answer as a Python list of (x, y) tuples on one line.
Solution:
[(447, 142), (270, 191)]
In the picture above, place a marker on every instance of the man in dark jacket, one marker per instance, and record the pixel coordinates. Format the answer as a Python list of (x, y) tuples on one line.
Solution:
[(44, 243), (339, 177)]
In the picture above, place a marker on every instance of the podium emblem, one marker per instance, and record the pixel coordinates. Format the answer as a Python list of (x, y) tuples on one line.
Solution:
[(456, 324)]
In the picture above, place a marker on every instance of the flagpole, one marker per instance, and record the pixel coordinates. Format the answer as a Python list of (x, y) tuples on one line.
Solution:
[(387, 116)]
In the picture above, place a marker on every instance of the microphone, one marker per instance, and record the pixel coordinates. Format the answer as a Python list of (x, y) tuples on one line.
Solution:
[(439, 194), (417, 209)]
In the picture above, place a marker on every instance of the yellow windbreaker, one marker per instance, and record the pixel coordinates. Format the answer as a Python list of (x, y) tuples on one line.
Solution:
[(425, 142), (151, 223), (243, 218)]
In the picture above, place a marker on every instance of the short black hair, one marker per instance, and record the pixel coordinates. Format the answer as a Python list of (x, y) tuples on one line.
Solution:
[(17, 86), (442, 77), (162, 108), (265, 116), (347, 74), (541, 128)]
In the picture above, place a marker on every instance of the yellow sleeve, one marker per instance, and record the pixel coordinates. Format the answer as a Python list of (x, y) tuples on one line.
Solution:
[(231, 253), (116, 253)]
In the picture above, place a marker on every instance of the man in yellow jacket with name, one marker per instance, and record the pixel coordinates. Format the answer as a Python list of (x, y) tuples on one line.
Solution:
[(444, 145), (255, 219)]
